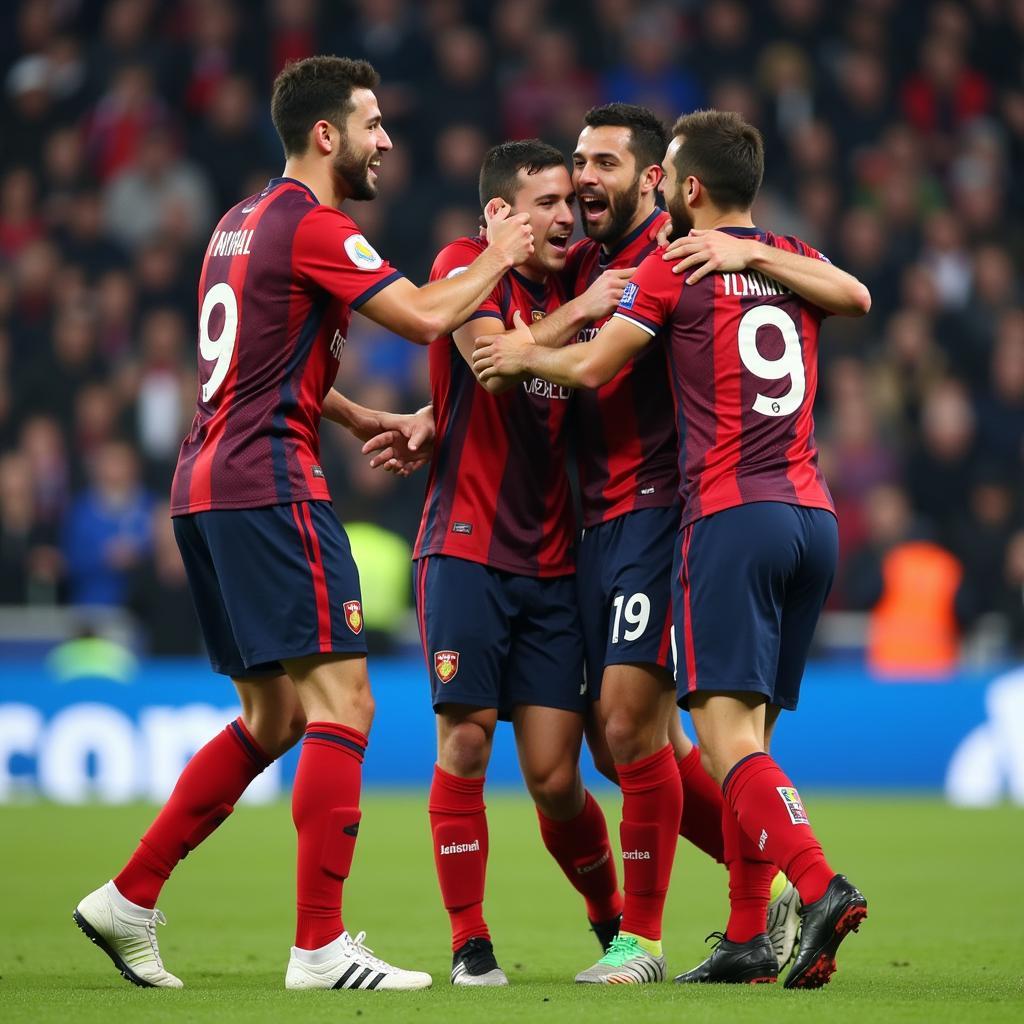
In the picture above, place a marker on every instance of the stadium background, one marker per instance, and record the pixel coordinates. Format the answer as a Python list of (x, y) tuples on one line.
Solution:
[(895, 144)]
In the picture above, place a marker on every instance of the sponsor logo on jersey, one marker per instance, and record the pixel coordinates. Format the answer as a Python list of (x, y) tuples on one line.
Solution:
[(361, 253), (456, 271), (446, 665), (791, 798), (447, 848), (317, 472), (763, 840), (636, 854), (338, 344), (545, 389), (354, 616), (466, 528), (629, 295)]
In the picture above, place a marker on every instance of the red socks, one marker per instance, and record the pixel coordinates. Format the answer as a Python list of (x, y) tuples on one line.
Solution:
[(772, 816), (204, 795), (652, 805), (583, 852), (702, 807), (750, 882), (325, 809), (459, 825)]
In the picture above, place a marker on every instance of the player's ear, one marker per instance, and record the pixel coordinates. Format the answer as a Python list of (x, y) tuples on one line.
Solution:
[(323, 134), (650, 179)]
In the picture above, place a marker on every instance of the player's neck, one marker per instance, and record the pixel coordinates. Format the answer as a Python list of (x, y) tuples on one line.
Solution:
[(535, 274), (644, 210), (317, 178), (711, 219)]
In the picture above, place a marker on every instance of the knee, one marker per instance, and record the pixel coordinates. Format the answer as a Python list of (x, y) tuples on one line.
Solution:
[(465, 749), (631, 736), (557, 791), (277, 733)]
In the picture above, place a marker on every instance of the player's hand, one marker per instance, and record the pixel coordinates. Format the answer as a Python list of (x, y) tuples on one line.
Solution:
[(405, 442), (603, 296), (503, 355), (662, 234), (508, 233), (709, 250)]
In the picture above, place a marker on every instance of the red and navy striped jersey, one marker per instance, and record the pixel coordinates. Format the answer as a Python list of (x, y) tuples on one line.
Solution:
[(497, 491), (743, 352), (625, 430), (280, 279)]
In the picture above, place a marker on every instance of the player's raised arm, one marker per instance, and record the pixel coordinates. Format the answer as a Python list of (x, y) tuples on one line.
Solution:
[(574, 366), (436, 309), (811, 277), (597, 302)]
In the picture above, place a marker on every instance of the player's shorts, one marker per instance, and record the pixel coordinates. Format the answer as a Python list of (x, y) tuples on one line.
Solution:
[(496, 639), (271, 583), (748, 586), (624, 585)]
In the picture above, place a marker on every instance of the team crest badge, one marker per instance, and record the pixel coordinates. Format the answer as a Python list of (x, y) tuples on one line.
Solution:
[(791, 798), (538, 314), (354, 616), (446, 665)]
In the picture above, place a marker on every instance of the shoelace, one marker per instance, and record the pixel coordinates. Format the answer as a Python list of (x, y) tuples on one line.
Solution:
[(141, 950), (621, 950), (356, 946), (719, 938)]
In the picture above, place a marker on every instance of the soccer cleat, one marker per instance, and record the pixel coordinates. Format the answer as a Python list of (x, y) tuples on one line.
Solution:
[(784, 922), (736, 963), (126, 932), (473, 963), (825, 923), (625, 963), (606, 930), (347, 963)]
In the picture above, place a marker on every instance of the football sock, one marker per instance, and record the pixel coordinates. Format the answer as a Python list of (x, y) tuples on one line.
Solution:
[(204, 795), (652, 946), (325, 809), (771, 814), (652, 805), (750, 881), (701, 822), (458, 823), (582, 850)]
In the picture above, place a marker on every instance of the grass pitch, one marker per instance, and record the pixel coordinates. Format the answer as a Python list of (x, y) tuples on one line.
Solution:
[(944, 942)]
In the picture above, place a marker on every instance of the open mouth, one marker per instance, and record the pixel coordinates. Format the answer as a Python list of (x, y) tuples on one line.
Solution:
[(374, 167), (593, 207), (560, 243)]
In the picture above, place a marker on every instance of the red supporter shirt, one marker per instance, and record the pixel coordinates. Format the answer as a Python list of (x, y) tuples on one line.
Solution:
[(743, 352), (497, 493), (280, 279), (625, 430)]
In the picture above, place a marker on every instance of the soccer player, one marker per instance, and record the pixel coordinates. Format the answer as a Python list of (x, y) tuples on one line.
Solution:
[(757, 543), (494, 570), (269, 567)]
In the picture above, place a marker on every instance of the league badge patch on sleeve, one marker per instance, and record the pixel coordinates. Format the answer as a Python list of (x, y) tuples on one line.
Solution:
[(629, 295), (446, 665), (354, 616), (361, 253), (791, 798)]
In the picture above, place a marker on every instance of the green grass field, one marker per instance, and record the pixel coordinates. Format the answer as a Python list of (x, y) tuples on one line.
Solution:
[(945, 939)]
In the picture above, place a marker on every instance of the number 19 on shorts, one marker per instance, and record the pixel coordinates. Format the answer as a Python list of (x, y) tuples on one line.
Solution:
[(637, 613)]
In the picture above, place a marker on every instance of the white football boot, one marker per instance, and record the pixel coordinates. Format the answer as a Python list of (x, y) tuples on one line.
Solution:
[(783, 920), (347, 963)]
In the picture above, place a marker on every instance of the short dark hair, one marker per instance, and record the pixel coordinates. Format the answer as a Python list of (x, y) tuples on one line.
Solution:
[(315, 89), (724, 152), (499, 175), (648, 138)]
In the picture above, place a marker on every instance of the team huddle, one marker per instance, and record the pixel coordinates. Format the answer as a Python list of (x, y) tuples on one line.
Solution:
[(687, 370)]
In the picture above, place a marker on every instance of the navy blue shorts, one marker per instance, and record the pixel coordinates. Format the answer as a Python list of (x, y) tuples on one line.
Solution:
[(748, 586), (271, 583), (624, 582), (496, 639)]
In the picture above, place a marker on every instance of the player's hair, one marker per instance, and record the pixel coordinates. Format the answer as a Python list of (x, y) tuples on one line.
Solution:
[(648, 137), (724, 152), (499, 175), (315, 89)]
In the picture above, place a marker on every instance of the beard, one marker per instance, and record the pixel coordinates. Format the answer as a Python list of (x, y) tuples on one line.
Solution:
[(622, 207), (682, 221), (354, 171)]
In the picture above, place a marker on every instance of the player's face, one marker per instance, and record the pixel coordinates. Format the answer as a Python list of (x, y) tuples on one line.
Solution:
[(607, 183), (548, 198), (675, 201), (357, 164)]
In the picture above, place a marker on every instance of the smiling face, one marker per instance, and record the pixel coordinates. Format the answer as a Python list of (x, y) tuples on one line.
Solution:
[(356, 166), (607, 182), (547, 196)]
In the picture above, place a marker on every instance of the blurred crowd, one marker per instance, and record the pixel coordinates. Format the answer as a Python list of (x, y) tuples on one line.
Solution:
[(894, 133)]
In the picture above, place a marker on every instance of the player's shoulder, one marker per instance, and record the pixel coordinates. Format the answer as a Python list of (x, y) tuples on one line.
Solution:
[(790, 243), (456, 256), (657, 272)]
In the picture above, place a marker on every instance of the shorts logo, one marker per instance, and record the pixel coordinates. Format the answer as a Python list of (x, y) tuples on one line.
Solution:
[(354, 616), (361, 253), (791, 798), (629, 294), (446, 665)]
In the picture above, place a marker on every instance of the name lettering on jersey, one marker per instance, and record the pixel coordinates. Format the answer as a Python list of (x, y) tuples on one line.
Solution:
[(231, 243), (448, 848), (545, 389), (749, 284), (361, 253), (337, 344)]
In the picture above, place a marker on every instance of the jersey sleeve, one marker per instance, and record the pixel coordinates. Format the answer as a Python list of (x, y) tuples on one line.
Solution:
[(651, 294), (329, 250), (801, 248), (452, 260)]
